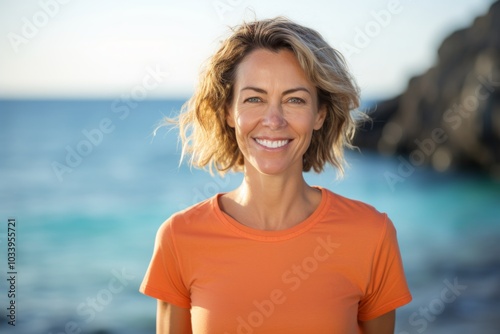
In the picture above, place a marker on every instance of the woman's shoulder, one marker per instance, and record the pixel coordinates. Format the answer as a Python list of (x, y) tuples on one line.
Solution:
[(191, 216), (362, 212)]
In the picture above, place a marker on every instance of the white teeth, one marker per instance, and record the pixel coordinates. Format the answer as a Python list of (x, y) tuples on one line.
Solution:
[(272, 143)]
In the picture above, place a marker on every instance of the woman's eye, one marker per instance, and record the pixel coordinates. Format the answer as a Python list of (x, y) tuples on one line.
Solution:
[(253, 100), (296, 100)]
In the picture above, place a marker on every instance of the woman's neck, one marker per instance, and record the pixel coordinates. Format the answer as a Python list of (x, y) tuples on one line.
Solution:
[(270, 202)]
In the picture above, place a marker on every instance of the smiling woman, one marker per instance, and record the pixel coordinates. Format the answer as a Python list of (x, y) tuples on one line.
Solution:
[(274, 255), (274, 111), (212, 144)]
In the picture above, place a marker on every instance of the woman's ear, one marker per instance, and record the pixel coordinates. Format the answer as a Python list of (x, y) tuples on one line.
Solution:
[(320, 117)]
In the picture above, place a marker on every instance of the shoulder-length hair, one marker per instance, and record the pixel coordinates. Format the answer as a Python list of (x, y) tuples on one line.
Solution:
[(208, 139)]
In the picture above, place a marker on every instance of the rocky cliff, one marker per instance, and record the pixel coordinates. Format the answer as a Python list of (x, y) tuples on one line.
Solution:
[(448, 117)]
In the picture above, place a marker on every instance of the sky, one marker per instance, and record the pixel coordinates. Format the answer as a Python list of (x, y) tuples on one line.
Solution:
[(112, 48)]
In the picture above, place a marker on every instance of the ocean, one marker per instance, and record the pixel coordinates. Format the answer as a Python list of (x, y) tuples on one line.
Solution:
[(87, 185)]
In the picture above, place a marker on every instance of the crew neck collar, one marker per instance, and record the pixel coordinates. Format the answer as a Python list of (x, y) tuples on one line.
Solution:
[(267, 235)]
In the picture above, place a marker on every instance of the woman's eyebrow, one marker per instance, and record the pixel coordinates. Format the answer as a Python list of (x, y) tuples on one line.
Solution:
[(258, 90), (293, 90), (288, 91)]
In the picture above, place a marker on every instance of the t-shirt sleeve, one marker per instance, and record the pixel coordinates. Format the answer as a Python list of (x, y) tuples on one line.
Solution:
[(163, 279), (387, 288)]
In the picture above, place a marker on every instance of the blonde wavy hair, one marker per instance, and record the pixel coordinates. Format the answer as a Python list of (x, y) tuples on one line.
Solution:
[(208, 139)]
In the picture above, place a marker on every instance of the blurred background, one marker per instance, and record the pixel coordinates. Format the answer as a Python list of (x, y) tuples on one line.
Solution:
[(83, 85)]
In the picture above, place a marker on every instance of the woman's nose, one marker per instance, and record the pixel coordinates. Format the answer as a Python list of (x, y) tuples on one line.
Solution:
[(273, 117)]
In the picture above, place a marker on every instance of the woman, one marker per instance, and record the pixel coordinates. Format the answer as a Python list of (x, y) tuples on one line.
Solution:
[(274, 255)]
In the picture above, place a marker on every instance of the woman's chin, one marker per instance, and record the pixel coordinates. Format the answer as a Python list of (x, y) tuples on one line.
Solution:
[(274, 167)]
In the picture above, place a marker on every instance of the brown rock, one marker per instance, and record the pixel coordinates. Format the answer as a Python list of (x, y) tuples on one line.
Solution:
[(450, 115)]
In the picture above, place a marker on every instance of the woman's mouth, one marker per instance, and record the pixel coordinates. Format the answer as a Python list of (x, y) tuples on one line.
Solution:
[(272, 143)]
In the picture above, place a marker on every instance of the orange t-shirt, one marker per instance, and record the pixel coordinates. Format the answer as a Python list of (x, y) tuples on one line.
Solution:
[(340, 265)]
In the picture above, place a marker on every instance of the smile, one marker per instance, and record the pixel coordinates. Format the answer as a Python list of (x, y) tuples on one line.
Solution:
[(272, 143)]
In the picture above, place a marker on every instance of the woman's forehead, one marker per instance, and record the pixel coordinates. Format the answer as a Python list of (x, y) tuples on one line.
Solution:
[(264, 67)]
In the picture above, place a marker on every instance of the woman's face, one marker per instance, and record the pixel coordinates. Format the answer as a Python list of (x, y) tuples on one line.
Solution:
[(274, 112)]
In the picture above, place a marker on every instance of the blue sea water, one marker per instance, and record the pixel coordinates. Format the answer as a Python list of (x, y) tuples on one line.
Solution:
[(88, 185)]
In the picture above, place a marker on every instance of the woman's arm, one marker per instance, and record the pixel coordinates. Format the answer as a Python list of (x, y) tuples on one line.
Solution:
[(171, 319), (381, 325)]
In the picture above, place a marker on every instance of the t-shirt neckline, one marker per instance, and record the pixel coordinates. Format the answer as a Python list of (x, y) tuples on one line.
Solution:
[(267, 235)]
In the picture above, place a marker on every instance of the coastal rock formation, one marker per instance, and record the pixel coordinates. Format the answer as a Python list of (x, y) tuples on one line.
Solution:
[(448, 117)]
